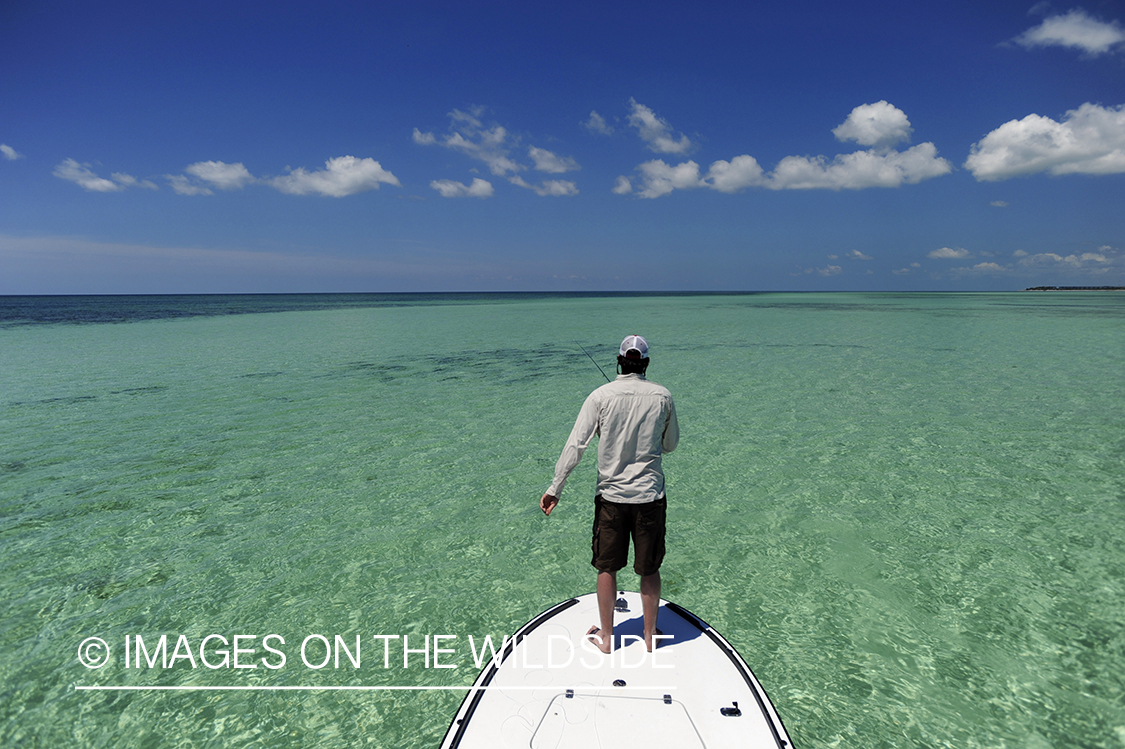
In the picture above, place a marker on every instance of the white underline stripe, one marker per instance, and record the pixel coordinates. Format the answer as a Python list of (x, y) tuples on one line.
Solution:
[(586, 688)]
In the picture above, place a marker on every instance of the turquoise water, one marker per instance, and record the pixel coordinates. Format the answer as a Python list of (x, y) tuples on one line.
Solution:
[(905, 511)]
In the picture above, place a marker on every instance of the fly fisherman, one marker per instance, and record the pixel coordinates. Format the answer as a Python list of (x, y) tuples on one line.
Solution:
[(635, 421)]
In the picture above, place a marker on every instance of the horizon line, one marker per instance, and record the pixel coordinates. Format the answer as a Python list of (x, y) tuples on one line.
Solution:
[(279, 688), (593, 292)]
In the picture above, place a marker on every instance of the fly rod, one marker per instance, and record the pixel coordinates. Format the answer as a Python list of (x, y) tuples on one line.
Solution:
[(587, 353)]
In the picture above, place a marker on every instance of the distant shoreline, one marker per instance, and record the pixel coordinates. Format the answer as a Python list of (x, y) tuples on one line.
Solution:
[(1075, 288)]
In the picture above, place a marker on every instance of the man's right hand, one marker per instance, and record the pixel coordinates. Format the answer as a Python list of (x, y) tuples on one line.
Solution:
[(547, 503)]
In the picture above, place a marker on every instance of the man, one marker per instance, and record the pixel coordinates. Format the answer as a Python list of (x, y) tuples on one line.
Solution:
[(635, 421)]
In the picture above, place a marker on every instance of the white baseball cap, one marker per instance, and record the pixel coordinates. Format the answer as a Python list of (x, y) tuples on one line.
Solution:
[(634, 343)]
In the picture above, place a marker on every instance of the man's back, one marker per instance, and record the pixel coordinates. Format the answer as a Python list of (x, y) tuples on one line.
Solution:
[(636, 424)]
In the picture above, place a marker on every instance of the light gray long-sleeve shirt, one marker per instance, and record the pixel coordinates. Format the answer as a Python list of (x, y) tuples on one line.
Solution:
[(635, 421)]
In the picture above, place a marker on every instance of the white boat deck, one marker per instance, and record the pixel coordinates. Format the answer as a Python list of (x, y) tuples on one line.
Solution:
[(553, 689)]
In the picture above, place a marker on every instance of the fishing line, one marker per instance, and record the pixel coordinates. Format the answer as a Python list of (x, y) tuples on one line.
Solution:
[(587, 353)]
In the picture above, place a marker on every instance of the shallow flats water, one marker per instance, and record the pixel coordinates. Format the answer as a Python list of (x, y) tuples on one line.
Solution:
[(905, 510)]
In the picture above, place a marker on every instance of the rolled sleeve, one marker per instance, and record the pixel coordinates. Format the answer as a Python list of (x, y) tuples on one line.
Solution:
[(584, 431), (671, 429)]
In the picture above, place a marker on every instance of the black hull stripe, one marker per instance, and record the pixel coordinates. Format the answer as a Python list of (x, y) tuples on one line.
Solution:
[(735, 660), (486, 678)]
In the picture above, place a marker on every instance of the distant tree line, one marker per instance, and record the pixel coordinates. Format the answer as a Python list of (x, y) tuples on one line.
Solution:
[(1076, 288)]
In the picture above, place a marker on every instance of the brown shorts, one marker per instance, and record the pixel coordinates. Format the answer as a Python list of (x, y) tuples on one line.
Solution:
[(615, 522)]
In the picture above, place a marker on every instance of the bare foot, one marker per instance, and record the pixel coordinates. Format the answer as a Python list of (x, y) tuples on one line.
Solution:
[(648, 639), (595, 636)]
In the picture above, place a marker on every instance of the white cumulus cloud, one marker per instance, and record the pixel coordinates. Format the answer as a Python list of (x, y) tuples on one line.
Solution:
[(1092, 262), (341, 176), (623, 186), (880, 125), (1076, 30), (949, 253), (10, 153), (448, 188), (1089, 140), (656, 131), (857, 255), (545, 161), (221, 175), (734, 175), (985, 268), (658, 178), (862, 169), (557, 187)]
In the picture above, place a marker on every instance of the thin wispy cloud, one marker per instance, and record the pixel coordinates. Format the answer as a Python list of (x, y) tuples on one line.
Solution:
[(1076, 29), (84, 266), (597, 124), (469, 136), (1088, 140), (448, 188), (128, 180), (545, 161), (656, 131), (182, 185), (9, 153), (493, 145), (82, 175), (825, 272), (547, 188)]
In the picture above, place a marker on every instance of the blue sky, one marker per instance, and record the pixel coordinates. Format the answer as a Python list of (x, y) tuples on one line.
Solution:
[(278, 147)]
